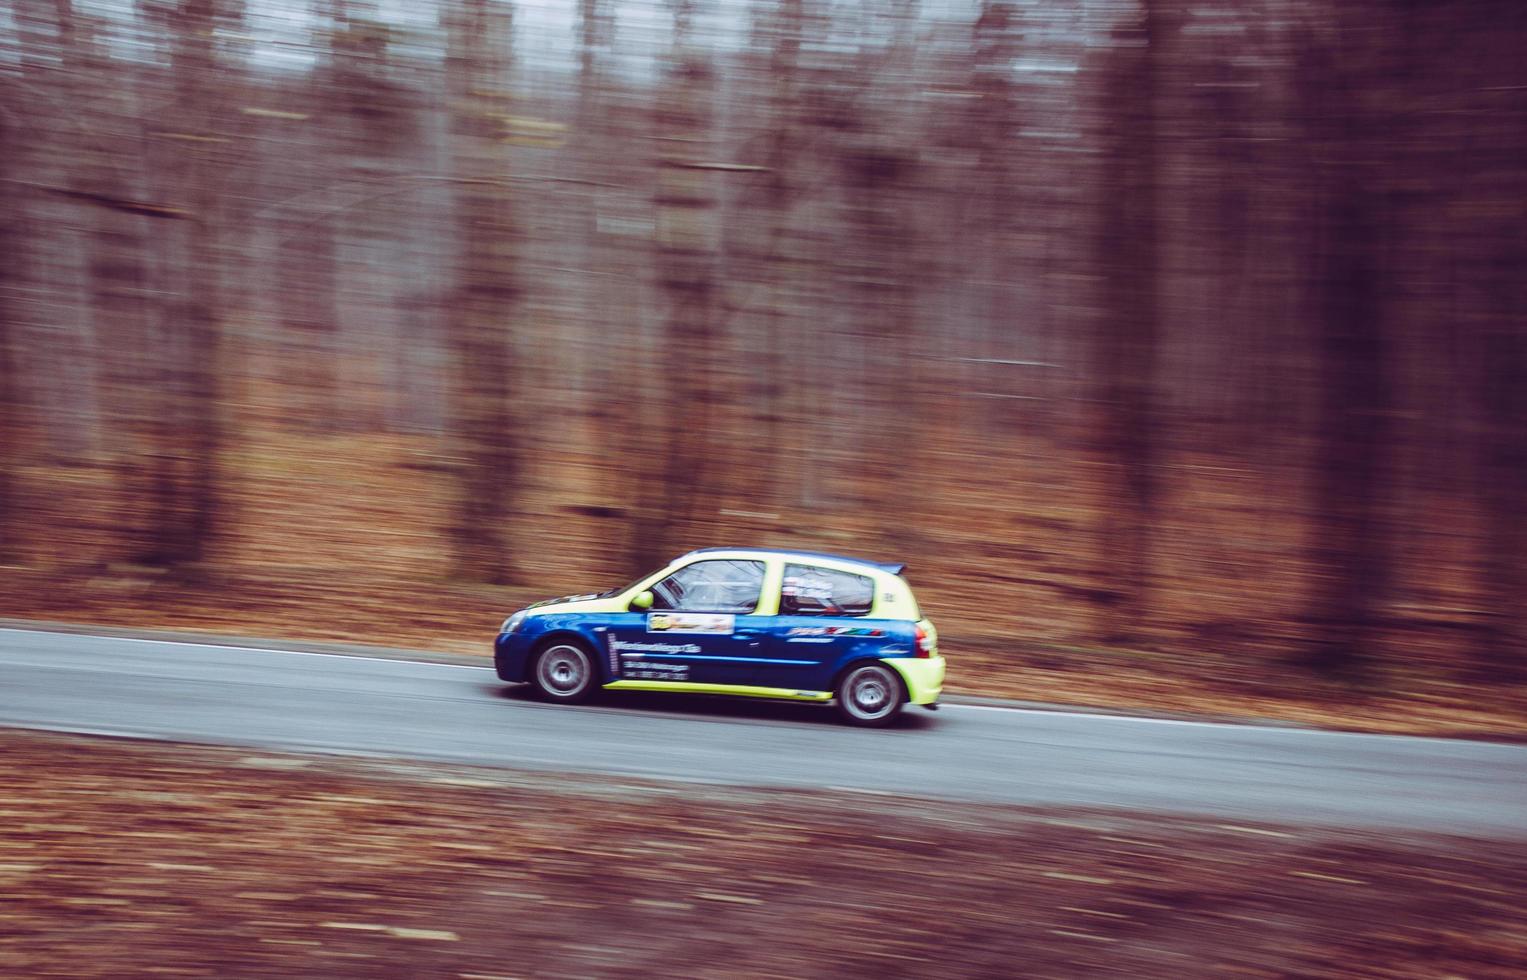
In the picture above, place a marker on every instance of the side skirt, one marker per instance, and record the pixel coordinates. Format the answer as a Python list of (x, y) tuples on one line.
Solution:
[(741, 690)]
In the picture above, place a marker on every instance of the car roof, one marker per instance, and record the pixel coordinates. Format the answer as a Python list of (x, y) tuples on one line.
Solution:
[(893, 568)]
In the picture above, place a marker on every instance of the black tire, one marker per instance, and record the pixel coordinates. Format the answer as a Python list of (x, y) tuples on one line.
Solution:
[(870, 695), (564, 672)]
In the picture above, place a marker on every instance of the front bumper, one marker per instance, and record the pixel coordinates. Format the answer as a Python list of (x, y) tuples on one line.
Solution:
[(510, 651), (924, 677)]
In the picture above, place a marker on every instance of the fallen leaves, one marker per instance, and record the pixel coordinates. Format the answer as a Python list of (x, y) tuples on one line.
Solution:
[(400, 932), (1086, 879), (360, 868), (1323, 877), (730, 899)]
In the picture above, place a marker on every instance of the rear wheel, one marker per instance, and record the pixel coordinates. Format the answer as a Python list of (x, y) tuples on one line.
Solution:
[(564, 673), (870, 695)]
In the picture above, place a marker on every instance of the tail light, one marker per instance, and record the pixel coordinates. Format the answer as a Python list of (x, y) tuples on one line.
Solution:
[(923, 644)]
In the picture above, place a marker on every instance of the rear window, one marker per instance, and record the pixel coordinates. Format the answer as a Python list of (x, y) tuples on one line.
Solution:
[(811, 591)]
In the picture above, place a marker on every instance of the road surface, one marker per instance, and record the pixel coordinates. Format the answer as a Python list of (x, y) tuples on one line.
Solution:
[(400, 708)]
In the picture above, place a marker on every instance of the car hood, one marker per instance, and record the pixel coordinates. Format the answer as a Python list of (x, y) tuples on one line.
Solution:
[(576, 604)]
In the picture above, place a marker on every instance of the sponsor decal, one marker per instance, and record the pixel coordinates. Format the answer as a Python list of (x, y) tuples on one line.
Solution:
[(635, 665), (653, 670), (835, 631), (631, 648), (681, 622)]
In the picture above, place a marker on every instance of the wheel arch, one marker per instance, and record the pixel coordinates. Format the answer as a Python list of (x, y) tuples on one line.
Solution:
[(862, 660), (566, 634)]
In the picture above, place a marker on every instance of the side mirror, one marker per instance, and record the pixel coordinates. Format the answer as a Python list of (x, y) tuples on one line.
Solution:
[(640, 601)]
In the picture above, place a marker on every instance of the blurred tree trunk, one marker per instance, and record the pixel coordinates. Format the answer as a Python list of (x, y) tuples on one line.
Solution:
[(1498, 191), (994, 260), (10, 242), (593, 33), (882, 280), (487, 292), (376, 126), (308, 304), (608, 327), (115, 276), (685, 260), (185, 420), (780, 262), (1502, 652), (1348, 545), (1237, 383), (199, 83), (307, 287), (307, 255), (1126, 356)]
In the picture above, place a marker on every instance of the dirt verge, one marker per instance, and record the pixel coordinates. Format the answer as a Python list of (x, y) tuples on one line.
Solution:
[(136, 859)]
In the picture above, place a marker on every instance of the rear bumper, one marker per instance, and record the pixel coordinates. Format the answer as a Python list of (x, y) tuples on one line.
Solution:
[(924, 678)]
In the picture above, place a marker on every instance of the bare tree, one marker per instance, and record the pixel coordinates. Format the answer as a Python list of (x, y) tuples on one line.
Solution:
[(10, 236), (604, 318), (196, 68), (105, 179), (1498, 185), (684, 256), (1501, 653), (487, 292), (185, 419), (991, 133), (771, 250), (881, 280), (1126, 354), (306, 267), (1348, 544)]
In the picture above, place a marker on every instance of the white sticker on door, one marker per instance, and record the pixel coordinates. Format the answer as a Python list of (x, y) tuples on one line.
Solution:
[(682, 622)]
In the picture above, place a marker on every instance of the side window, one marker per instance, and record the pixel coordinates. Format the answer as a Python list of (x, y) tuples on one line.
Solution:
[(811, 591), (718, 586)]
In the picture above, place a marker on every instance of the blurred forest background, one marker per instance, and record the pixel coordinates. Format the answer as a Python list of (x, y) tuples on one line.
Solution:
[(1177, 346)]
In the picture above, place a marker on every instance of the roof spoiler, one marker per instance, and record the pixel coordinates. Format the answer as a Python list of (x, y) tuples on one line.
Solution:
[(895, 568)]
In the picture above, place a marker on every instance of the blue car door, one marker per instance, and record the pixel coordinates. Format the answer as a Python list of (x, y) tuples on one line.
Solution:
[(703, 627), (824, 621)]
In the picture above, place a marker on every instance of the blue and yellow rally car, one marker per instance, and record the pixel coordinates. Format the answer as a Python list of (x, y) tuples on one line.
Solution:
[(740, 621)]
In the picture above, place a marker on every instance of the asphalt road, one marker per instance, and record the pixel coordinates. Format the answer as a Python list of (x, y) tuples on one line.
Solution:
[(352, 704)]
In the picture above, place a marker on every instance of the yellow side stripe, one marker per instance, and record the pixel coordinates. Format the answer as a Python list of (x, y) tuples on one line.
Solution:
[(743, 690)]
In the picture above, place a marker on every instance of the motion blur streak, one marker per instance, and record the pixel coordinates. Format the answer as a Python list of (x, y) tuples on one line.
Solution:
[(1178, 346)]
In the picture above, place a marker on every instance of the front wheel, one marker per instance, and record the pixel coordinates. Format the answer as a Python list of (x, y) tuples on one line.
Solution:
[(870, 695), (564, 673)]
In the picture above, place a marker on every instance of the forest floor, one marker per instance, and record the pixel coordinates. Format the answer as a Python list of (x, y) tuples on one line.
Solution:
[(125, 859), (338, 537)]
